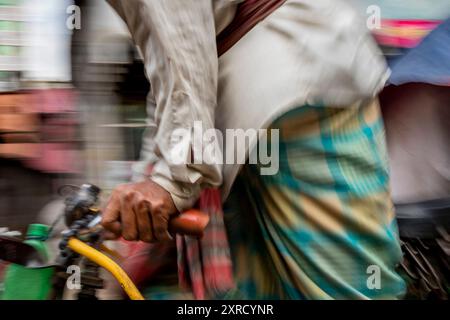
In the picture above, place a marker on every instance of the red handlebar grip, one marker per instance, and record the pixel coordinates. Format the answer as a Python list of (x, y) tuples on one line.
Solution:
[(192, 223)]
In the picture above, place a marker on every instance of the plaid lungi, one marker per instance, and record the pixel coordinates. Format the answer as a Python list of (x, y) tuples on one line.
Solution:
[(324, 226), (319, 227)]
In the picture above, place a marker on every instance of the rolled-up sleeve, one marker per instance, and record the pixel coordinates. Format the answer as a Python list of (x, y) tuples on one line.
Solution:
[(177, 41)]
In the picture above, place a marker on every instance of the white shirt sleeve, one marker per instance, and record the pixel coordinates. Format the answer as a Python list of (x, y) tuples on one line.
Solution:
[(177, 40)]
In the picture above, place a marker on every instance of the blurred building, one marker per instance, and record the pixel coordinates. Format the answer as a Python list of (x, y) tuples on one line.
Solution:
[(39, 124), (12, 23)]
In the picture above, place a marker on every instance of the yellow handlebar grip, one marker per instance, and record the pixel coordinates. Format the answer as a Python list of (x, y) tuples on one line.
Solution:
[(107, 263)]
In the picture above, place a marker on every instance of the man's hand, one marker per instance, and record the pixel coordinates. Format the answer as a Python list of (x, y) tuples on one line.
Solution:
[(139, 211)]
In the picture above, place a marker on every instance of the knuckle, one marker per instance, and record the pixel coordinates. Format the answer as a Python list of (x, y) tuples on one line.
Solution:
[(158, 210), (146, 204), (142, 202), (106, 220), (129, 236), (158, 205), (129, 196)]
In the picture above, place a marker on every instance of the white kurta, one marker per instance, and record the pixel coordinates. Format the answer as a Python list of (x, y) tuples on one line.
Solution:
[(316, 52)]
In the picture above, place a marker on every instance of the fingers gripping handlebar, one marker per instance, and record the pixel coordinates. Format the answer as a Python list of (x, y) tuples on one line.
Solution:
[(81, 203)]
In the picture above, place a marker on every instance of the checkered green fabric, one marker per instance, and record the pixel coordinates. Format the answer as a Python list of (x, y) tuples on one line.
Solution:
[(323, 227)]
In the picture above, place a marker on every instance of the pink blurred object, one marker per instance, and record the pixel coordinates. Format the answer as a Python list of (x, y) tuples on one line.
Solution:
[(41, 127), (54, 158), (404, 33), (53, 101), (144, 261)]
